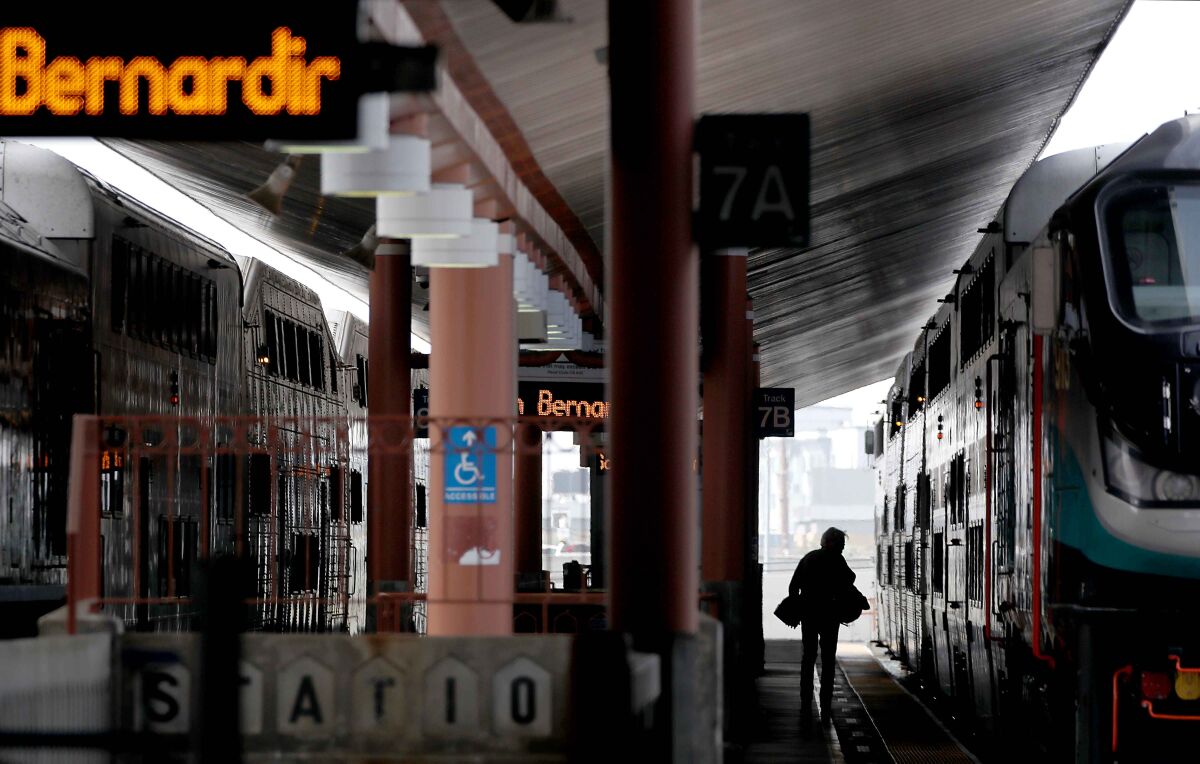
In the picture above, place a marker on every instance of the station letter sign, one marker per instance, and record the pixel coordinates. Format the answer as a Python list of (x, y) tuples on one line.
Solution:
[(775, 412)]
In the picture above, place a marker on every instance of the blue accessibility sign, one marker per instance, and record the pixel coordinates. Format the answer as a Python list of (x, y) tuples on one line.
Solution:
[(471, 465)]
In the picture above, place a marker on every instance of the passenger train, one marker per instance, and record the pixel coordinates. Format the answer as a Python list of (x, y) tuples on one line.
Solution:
[(1038, 469), (108, 307)]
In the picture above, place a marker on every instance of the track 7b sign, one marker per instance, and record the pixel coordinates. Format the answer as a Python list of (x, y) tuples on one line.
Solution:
[(775, 412)]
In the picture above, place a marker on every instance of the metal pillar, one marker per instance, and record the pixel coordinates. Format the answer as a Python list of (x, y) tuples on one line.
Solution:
[(472, 374), (389, 483), (653, 284), (726, 416)]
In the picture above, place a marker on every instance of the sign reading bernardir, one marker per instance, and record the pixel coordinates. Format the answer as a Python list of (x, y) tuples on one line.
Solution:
[(754, 172), (207, 71)]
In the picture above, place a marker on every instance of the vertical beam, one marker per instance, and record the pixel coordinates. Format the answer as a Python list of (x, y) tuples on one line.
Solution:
[(472, 374), (653, 321), (726, 416), (389, 484), (83, 517), (527, 499)]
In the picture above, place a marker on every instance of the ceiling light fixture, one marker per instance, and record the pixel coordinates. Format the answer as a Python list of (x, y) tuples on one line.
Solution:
[(444, 212), (479, 249), (400, 169)]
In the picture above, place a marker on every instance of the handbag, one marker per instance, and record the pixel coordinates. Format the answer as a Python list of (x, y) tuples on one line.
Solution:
[(788, 611), (851, 605)]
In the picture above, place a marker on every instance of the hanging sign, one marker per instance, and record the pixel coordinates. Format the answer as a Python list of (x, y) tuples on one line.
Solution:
[(775, 412), (219, 70), (753, 180)]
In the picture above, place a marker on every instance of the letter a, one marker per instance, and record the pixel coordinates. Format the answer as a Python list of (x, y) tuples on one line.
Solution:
[(306, 702), (762, 206)]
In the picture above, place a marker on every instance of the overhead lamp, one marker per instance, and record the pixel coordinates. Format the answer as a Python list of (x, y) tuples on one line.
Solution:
[(444, 212), (529, 285), (270, 194), (400, 169), (373, 120), (363, 252), (479, 249)]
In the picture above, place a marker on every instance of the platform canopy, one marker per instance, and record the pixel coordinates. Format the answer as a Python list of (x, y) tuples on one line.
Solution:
[(923, 115)]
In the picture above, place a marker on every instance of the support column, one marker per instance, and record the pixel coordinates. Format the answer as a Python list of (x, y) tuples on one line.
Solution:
[(653, 283), (389, 475), (653, 293), (527, 513), (726, 416), (472, 378)]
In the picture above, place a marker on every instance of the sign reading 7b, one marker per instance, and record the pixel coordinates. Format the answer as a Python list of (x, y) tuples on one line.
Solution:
[(775, 412), (753, 180)]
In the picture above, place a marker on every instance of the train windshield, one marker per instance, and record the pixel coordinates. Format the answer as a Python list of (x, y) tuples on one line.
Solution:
[(1153, 263)]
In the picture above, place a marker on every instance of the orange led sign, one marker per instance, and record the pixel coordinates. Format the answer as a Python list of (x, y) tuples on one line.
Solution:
[(235, 71), (562, 399), (66, 86)]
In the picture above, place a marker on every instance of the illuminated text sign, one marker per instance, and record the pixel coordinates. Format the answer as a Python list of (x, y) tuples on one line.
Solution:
[(244, 71), (562, 399)]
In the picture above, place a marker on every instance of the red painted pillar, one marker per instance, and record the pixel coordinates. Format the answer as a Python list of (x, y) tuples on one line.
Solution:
[(653, 285), (726, 416), (472, 378), (389, 474)]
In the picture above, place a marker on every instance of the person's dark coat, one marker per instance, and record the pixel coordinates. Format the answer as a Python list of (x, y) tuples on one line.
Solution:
[(820, 578)]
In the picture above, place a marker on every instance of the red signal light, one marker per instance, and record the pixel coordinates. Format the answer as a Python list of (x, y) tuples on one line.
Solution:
[(1156, 685), (174, 400)]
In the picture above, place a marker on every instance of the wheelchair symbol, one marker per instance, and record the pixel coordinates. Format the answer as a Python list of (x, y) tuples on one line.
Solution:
[(467, 472)]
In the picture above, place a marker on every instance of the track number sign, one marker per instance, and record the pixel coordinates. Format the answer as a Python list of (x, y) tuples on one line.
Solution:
[(775, 412), (753, 180)]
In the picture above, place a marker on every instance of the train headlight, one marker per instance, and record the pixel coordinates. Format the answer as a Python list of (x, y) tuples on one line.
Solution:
[(1131, 478), (1175, 486)]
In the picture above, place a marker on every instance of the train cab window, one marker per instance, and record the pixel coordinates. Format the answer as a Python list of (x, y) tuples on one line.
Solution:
[(356, 496), (897, 413), (939, 364), (938, 564)]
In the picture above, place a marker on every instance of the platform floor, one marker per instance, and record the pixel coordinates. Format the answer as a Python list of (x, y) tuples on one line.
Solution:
[(875, 720)]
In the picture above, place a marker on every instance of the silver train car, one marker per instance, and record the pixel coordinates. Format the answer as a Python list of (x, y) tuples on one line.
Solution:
[(107, 307), (1038, 513)]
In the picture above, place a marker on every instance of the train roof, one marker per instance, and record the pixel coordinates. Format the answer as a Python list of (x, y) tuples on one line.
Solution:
[(16, 232)]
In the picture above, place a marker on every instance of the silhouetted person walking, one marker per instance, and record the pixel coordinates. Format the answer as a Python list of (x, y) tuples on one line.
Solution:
[(821, 577)]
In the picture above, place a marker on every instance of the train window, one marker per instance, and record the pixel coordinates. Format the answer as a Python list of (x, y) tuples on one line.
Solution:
[(879, 562), (304, 564), (891, 565), (884, 518), (333, 374), (258, 496), (360, 385), (120, 285), (939, 364), (976, 316), (901, 507), (270, 322), (336, 506), (303, 367), (916, 389), (956, 491), (897, 413), (975, 563), (923, 500), (356, 496), (939, 562), (289, 351), (422, 513), (223, 486), (178, 539), (316, 356), (213, 323), (281, 494), (910, 579)]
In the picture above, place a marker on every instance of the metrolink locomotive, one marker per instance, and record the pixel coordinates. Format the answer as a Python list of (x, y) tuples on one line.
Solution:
[(107, 307), (1038, 466)]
